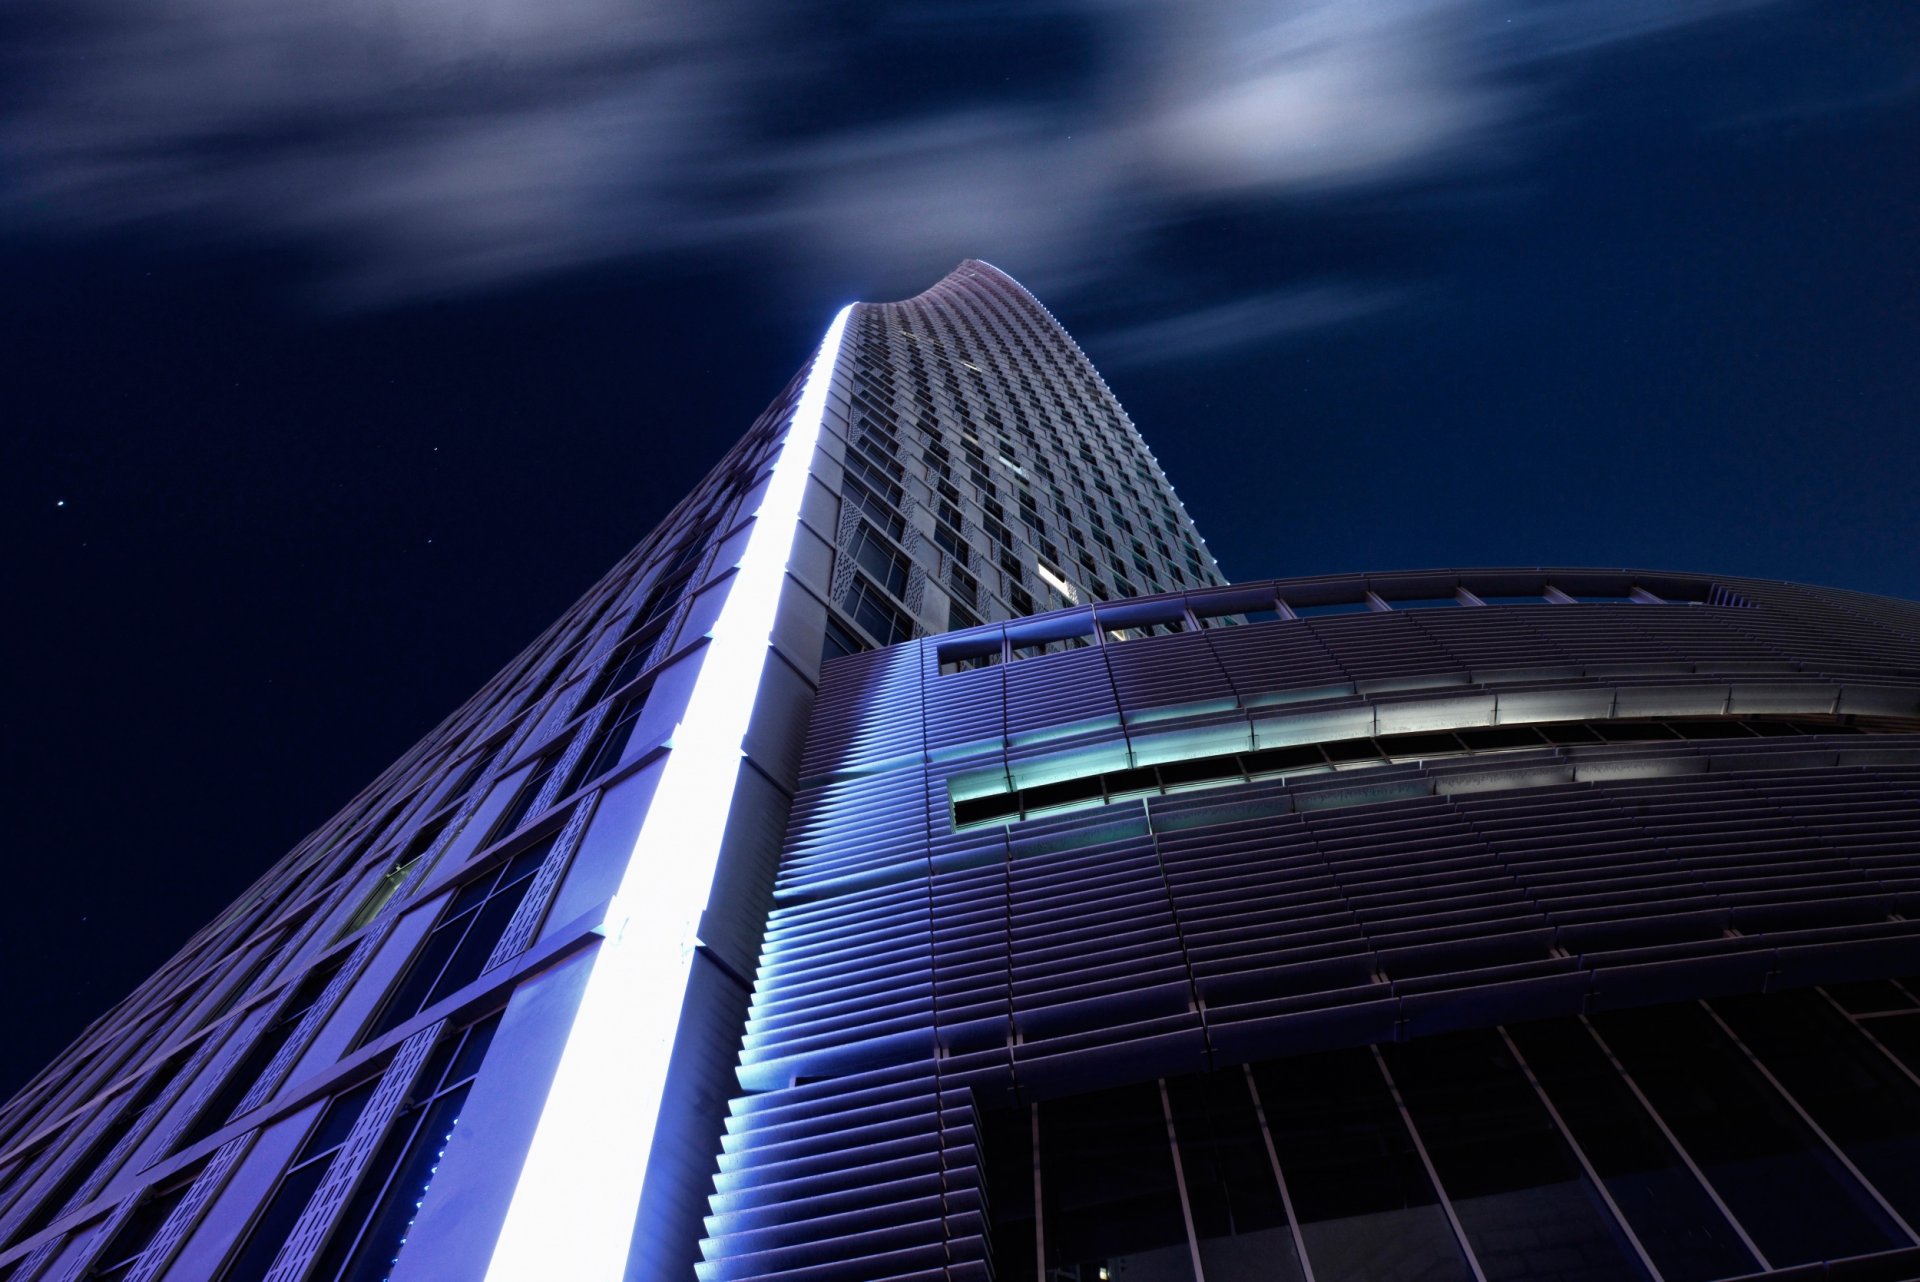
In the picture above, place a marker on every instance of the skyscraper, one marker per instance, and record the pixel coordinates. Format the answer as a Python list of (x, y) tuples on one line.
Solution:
[(915, 860), (543, 921)]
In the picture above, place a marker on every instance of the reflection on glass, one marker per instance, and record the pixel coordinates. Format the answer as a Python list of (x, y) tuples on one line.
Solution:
[(1863, 1102), (1366, 1207), (1112, 1203), (1526, 1206), (1674, 1218), (1239, 1222), (1790, 1193)]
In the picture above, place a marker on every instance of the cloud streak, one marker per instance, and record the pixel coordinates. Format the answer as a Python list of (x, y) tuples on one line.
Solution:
[(1242, 322), (440, 146)]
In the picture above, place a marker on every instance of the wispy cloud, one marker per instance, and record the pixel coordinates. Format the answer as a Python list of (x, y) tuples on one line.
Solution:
[(445, 145), (1241, 322)]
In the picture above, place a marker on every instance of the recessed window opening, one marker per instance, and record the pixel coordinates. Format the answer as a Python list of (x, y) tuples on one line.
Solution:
[(839, 640), (373, 1228), (297, 1185), (123, 1254), (1329, 608), (1378, 750), (872, 610), (257, 1058), (530, 791), (456, 949), (628, 666), (378, 894), (968, 656), (610, 743)]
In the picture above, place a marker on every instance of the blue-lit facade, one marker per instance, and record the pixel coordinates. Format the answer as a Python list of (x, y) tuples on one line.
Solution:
[(916, 860), (483, 1023), (1479, 925)]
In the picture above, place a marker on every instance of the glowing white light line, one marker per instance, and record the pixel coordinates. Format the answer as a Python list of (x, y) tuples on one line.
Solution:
[(573, 1209)]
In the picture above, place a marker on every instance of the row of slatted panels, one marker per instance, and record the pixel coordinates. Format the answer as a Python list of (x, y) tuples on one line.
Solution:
[(1192, 936), (911, 972), (1785, 627), (1277, 905), (865, 1176)]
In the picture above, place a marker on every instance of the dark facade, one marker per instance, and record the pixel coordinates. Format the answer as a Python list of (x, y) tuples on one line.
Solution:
[(1480, 924)]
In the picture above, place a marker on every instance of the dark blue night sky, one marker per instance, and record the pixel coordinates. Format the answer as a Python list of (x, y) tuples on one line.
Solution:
[(346, 343)]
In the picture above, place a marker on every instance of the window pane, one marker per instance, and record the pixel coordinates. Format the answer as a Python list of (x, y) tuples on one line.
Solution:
[(421, 976), (839, 641), (1527, 1207), (614, 738), (1792, 1197), (878, 558), (1112, 1205), (276, 1220), (1367, 1209), (1864, 1103), (471, 957), (1671, 1214), (1901, 1035), (275, 1223), (389, 1222), (1239, 1221), (1006, 1150)]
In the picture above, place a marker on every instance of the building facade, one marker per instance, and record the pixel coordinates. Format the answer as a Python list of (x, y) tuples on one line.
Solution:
[(916, 860), (1501, 924), (542, 922)]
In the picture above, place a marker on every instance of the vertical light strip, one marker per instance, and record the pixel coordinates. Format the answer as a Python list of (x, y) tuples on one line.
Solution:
[(573, 1209)]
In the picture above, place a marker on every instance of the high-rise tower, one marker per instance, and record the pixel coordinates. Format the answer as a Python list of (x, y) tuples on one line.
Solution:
[(915, 862), (543, 922)]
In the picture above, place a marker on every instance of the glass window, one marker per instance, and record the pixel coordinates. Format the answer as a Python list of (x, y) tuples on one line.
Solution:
[(1792, 1197), (1336, 607), (839, 640), (1366, 1206), (1674, 1218), (874, 613), (137, 1234), (455, 951), (377, 896), (255, 1061), (876, 510), (54, 1200), (1526, 1206), (610, 743), (373, 1227), (1111, 1201), (1864, 1103), (880, 559), (1239, 1221), (631, 664), (523, 800), (282, 1210)]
